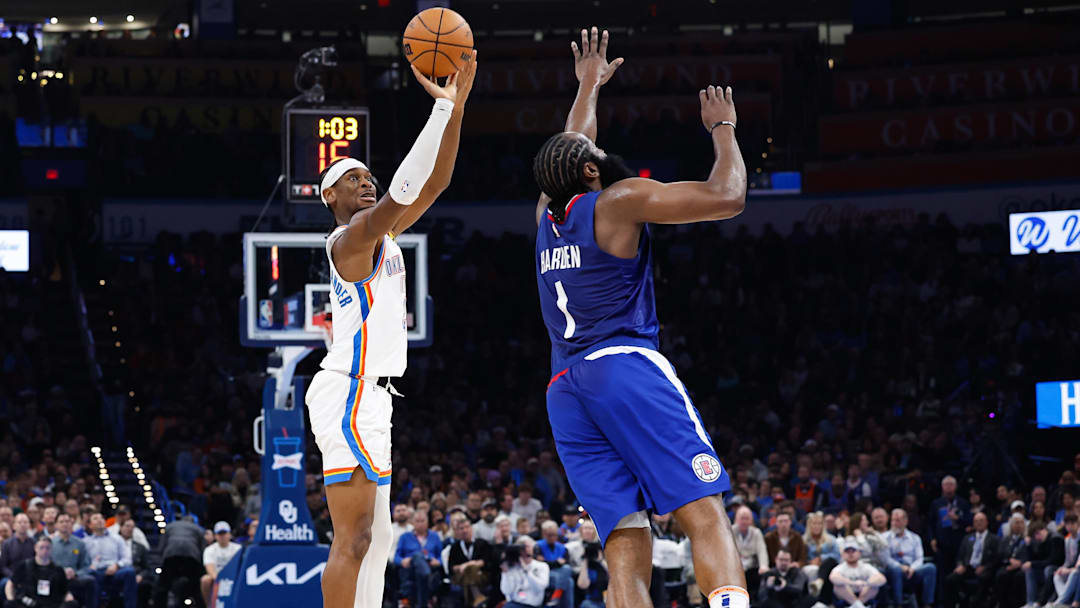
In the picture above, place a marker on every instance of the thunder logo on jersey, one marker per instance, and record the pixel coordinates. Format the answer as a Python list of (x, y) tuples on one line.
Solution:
[(394, 265)]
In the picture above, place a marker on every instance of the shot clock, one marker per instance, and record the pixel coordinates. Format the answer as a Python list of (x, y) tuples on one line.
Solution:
[(316, 137)]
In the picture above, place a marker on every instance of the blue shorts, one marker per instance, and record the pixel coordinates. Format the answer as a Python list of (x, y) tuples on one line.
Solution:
[(629, 436)]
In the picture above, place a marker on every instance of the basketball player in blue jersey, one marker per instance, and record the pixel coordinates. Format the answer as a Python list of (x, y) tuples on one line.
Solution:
[(624, 426), (348, 401)]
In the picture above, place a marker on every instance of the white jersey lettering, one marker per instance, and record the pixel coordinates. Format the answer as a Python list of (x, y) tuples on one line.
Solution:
[(560, 258)]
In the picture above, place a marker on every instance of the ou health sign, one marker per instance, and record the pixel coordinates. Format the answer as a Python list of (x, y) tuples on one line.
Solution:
[(1057, 404), (1044, 231)]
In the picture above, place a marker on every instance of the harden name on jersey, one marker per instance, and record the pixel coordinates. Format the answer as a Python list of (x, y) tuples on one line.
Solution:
[(560, 258)]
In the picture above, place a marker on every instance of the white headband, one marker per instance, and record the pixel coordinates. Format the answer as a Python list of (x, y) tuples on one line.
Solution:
[(334, 174)]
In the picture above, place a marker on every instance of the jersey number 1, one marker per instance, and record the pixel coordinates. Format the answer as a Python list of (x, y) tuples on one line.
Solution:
[(561, 303)]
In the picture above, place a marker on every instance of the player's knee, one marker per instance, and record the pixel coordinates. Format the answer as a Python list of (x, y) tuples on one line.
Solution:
[(356, 545)]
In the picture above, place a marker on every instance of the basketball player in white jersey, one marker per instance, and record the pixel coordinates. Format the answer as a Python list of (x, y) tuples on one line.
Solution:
[(349, 400)]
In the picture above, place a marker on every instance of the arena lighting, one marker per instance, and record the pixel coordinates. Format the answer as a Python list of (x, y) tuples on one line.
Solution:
[(102, 283), (21, 78), (33, 75), (53, 20), (114, 499), (130, 18), (93, 20)]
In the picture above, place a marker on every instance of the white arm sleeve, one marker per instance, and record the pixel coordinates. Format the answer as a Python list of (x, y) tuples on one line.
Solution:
[(418, 164)]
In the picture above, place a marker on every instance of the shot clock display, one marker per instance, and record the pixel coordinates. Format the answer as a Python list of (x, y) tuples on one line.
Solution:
[(316, 137)]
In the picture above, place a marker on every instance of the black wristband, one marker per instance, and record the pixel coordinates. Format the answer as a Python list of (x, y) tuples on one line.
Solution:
[(721, 122)]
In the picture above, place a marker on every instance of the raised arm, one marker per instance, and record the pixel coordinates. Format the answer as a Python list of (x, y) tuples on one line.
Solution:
[(592, 70), (448, 149), (354, 250), (721, 196)]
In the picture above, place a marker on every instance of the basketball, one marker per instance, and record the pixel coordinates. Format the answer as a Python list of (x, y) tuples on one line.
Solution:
[(438, 42)]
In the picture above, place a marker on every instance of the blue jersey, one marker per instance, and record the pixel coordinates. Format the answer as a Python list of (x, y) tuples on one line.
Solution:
[(590, 298)]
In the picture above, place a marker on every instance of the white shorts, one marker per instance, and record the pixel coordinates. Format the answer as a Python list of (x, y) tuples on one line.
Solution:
[(351, 422)]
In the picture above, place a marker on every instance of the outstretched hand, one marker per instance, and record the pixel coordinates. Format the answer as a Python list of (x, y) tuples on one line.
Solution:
[(590, 59), (458, 85), (717, 104)]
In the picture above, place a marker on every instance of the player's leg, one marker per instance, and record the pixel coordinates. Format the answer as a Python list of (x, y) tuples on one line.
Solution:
[(717, 564), (607, 490), (628, 552), (352, 510), (351, 424), (645, 412), (372, 577)]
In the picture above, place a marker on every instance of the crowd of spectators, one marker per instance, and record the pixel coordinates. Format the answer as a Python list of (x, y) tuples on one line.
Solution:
[(841, 375)]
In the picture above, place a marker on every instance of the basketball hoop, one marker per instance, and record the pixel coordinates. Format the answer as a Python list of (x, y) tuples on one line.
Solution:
[(325, 321)]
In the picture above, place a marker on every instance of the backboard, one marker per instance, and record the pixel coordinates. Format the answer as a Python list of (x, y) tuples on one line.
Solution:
[(287, 289)]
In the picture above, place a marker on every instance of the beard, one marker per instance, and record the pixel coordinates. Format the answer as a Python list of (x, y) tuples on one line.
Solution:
[(613, 168)]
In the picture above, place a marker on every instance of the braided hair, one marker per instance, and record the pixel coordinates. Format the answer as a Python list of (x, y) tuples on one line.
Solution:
[(558, 170)]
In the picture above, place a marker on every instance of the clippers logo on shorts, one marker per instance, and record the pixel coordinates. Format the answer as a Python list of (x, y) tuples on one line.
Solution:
[(706, 467)]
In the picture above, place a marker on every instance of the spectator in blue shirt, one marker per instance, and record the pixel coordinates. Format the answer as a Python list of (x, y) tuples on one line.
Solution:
[(110, 561), (417, 555), (553, 553), (906, 548), (69, 552)]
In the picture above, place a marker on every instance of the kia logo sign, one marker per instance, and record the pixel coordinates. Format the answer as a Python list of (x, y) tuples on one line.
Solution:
[(1044, 231), (282, 574)]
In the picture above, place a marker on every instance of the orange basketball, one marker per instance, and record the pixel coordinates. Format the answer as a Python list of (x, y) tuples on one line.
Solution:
[(438, 42)]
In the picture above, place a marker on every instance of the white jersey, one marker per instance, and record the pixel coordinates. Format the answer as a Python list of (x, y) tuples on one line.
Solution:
[(368, 316)]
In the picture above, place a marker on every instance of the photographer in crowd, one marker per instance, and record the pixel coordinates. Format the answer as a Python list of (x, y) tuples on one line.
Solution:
[(524, 579), (592, 579), (784, 586)]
